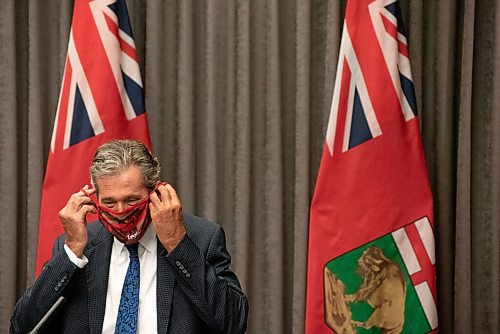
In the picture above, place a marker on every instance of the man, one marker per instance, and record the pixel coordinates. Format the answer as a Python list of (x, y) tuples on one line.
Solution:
[(121, 275)]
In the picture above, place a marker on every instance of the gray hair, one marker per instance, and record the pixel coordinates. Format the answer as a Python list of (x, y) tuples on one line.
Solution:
[(113, 157)]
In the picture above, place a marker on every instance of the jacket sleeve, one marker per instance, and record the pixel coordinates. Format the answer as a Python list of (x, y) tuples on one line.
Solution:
[(39, 298), (205, 278)]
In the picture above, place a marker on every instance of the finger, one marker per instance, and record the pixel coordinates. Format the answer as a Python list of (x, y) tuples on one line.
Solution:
[(79, 201), (75, 202), (77, 195), (173, 195), (154, 201), (152, 207), (89, 190), (164, 193), (88, 208)]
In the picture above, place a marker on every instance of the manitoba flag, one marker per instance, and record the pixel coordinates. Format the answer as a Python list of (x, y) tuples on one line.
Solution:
[(101, 99), (371, 264)]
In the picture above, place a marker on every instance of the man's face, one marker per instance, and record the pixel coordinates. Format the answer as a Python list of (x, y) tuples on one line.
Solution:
[(121, 191), (123, 205)]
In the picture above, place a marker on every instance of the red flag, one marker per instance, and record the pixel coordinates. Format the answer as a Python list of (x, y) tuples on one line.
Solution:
[(371, 243), (101, 99)]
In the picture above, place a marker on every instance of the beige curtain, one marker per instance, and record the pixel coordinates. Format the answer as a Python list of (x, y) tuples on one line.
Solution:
[(237, 96)]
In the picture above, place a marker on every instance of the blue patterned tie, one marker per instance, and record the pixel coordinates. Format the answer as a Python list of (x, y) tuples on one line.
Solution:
[(126, 322)]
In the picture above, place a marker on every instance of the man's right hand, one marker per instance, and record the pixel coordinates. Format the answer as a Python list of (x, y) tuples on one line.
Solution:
[(73, 219)]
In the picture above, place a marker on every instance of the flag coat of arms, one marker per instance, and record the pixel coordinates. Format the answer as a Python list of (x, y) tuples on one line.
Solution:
[(371, 263), (101, 99)]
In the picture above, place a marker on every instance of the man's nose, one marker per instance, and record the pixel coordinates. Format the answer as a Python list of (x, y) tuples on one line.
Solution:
[(120, 206)]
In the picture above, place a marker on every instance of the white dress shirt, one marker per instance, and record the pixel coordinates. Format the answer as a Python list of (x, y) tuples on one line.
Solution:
[(147, 320)]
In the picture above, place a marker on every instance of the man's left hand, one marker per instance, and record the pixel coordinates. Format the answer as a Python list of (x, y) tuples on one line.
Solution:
[(166, 214)]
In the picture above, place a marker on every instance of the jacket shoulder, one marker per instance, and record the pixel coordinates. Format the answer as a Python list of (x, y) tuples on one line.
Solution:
[(198, 225)]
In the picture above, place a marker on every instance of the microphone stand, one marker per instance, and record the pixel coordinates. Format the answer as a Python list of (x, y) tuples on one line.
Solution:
[(47, 315)]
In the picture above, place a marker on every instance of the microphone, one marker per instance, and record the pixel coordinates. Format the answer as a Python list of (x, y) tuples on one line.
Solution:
[(47, 315)]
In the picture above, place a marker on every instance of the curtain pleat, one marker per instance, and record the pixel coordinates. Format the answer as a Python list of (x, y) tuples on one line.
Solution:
[(484, 181), (297, 180), (9, 168), (240, 212), (462, 308), (238, 97)]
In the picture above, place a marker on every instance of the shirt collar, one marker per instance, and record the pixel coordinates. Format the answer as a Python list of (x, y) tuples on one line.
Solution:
[(148, 241)]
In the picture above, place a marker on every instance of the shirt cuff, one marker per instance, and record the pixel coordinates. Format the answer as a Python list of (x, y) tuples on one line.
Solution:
[(80, 263)]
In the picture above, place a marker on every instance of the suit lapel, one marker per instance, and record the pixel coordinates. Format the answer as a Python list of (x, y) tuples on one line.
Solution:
[(164, 289), (99, 254)]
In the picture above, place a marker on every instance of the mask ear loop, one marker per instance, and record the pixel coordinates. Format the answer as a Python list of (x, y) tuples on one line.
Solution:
[(86, 194)]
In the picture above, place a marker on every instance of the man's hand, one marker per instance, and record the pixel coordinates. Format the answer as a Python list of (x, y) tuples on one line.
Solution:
[(166, 213), (73, 220)]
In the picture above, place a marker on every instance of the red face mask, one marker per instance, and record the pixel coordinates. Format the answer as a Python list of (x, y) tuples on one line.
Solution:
[(129, 225)]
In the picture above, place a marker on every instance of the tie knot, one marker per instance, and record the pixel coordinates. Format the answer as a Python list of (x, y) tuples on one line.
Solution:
[(133, 249)]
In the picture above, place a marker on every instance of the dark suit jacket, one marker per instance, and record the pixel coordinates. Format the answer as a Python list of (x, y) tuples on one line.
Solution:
[(207, 298)]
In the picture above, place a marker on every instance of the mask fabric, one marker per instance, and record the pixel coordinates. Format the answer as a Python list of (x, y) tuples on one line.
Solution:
[(128, 226)]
